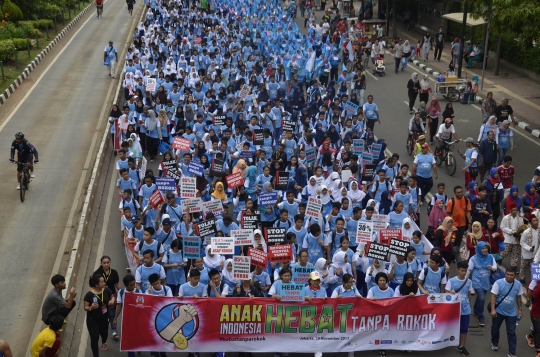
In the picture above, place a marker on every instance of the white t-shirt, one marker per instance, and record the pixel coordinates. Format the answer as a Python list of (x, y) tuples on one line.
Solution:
[(445, 133)]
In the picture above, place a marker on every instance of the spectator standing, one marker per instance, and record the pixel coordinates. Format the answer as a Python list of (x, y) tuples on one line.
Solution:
[(504, 111), (439, 44)]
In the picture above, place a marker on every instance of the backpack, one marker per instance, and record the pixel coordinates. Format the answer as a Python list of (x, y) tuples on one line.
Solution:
[(334, 234), (209, 288), (426, 270), (377, 185), (158, 246), (122, 292), (453, 200)]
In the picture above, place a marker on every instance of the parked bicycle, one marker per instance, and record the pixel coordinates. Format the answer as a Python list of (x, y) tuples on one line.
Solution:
[(445, 154)]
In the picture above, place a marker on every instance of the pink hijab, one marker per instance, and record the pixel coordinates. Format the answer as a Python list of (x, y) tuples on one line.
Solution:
[(437, 215)]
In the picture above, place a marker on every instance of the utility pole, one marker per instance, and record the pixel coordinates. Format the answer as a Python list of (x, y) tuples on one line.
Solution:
[(463, 30)]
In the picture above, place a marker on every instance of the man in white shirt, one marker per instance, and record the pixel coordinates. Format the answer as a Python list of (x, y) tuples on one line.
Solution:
[(529, 247), (509, 226)]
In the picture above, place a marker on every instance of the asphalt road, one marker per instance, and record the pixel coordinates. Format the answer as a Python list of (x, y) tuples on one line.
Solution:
[(390, 94), (60, 116)]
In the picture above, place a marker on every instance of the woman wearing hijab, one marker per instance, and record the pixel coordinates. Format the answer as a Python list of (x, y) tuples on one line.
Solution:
[(383, 148), (114, 115), (203, 188), (530, 200), (434, 111), (436, 218), (448, 111), (153, 134), (413, 88), (322, 267), (331, 180), (493, 235), (473, 237), (512, 199), (310, 190), (213, 261), (490, 125), (227, 276), (505, 139), (472, 190), (425, 89), (409, 286), (370, 139), (332, 133), (268, 213), (355, 194), (240, 167), (445, 236), (219, 192), (339, 267), (301, 176), (326, 199), (250, 181), (385, 206), (481, 265), (319, 134)]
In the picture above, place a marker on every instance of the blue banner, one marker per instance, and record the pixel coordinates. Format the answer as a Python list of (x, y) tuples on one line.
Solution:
[(192, 247), (166, 184), (292, 292), (267, 199), (196, 168)]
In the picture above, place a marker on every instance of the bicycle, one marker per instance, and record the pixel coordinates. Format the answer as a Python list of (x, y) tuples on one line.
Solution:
[(411, 142), (445, 154), (99, 10), (25, 179)]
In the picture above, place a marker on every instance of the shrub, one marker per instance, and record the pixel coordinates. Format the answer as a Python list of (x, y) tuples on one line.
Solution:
[(6, 49), (43, 23), (12, 11), (21, 44)]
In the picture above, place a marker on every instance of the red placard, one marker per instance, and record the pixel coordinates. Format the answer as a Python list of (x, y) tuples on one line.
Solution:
[(280, 253), (385, 235), (259, 258), (156, 199), (234, 180), (181, 144)]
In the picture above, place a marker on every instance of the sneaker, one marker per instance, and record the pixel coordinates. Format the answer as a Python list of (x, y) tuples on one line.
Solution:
[(481, 322), (530, 340), (463, 351), (411, 111), (32, 174), (115, 336), (473, 293), (318, 354), (494, 347), (18, 186), (510, 355), (104, 347)]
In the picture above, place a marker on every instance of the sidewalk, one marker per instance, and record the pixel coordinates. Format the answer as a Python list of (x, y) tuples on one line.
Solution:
[(523, 92)]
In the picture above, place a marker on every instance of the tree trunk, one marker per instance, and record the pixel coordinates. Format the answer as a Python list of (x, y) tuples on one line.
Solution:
[(498, 59)]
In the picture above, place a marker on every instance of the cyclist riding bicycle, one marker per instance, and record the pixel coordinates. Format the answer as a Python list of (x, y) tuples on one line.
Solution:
[(99, 6), (25, 154), (416, 126), (444, 135)]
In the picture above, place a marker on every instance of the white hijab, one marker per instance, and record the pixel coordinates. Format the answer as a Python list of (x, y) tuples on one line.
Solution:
[(312, 189), (407, 233), (325, 198), (212, 261), (338, 260), (228, 274), (357, 194), (424, 83), (319, 265)]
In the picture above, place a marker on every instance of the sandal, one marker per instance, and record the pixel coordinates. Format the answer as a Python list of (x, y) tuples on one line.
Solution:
[(104, 347)]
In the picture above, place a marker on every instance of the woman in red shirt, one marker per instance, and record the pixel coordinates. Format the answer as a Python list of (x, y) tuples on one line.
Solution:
[(533, 338), (445, 236), (492, 236), (474, 237)]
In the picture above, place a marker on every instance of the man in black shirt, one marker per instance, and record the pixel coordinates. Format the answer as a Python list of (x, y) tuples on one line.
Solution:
[(439, 44), (504, 111)]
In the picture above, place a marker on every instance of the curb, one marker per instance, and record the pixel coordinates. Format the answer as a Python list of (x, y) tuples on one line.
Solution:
[(523, 125), (32, 65)]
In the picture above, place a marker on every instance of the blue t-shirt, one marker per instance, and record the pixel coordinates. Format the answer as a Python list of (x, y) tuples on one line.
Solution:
[(455, 284), (424, 163), (507, 307)]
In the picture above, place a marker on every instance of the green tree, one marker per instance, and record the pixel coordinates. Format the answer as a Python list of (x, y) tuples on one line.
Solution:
[(40, 9), (517, 16), (11, 11)]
